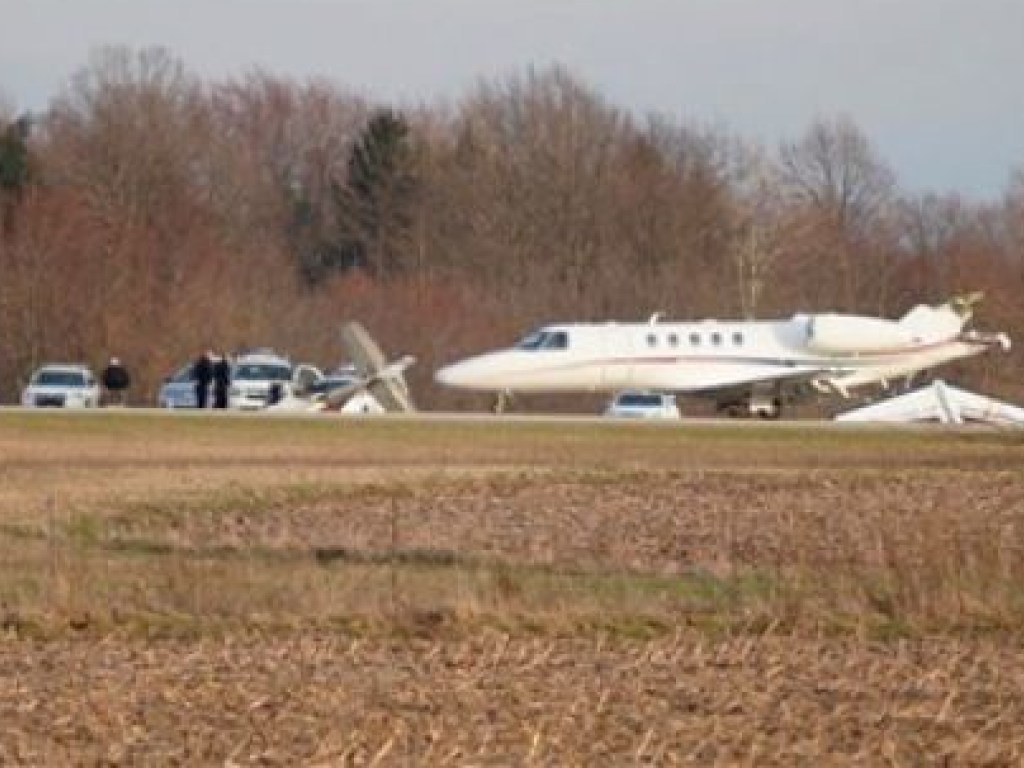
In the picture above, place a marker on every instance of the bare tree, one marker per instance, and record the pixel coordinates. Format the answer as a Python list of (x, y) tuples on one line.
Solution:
[(674, 215), (834, 170), (277, 150), (123, 133), (539, 157), (757, 215), (163, 213), (841, 186)]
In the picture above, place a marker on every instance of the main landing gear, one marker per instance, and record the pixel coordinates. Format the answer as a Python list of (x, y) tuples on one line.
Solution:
[(760, 407)]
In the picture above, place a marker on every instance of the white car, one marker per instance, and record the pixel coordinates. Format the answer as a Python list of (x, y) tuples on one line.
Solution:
[(643, 405), (260, 379), (62, 386)]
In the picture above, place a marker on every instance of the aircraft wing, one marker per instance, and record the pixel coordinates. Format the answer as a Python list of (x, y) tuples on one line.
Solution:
[(787, 379), (975, 407), (926, 404), (362, 350), (939, 402)]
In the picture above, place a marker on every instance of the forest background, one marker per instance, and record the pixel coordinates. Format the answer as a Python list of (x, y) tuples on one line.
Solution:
[(149, 214)]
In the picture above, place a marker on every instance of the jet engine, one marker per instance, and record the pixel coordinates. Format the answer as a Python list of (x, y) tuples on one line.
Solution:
[(832, 334)]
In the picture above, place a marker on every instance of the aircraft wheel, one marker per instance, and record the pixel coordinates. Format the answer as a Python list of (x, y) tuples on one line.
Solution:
[(771, 413), (733, 410)]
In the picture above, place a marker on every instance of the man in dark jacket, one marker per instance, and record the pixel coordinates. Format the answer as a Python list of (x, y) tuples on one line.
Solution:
[(116, 381), (221, 381), (202, 375)]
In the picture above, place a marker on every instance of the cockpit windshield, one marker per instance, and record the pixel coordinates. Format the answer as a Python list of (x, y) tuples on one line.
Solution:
[(544, 340), (530, 341)]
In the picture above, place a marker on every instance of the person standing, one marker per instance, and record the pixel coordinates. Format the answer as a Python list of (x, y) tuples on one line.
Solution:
[(202, 375), (221, 381), (116, 381)]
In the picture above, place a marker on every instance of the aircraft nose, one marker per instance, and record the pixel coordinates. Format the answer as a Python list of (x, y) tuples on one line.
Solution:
[(478, 373), (454, 375)]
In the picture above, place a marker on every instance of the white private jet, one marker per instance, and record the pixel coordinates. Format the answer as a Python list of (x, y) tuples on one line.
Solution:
[(747, 367)]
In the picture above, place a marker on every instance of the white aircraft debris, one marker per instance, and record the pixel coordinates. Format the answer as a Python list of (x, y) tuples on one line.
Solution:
[(940, 402)]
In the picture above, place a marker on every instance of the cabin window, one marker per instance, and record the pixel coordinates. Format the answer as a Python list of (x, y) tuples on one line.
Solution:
[(716, 339), (673, 340), (652, 340), (737, 338), (695, 339)]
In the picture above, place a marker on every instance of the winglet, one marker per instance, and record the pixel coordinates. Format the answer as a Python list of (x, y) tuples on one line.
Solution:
[(964, 305)]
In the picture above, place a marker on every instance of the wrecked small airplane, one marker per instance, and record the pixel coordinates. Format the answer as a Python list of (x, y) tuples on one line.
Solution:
[(370, 385)]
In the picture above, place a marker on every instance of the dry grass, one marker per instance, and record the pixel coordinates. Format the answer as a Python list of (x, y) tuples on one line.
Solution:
[(500, 700), (179, 589)]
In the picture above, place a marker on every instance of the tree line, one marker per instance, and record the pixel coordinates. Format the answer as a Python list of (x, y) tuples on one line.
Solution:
[(149, 214)]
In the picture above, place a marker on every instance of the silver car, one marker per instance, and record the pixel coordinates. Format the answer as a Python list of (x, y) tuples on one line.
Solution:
[(643, 405), (178, 389)]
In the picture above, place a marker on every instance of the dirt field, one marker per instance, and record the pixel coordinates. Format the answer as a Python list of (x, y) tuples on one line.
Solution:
[(180, 589)]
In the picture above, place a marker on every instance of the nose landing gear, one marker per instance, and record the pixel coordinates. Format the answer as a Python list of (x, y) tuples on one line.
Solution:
[(502, 401)]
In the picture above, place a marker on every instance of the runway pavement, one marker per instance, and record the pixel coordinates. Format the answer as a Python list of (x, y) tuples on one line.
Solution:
[(468, 417)]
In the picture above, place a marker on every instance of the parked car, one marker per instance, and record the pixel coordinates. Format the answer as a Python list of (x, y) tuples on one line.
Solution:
[(59, 385), (253, 378), (255, 381), (258, 379), (643, 405), (178, 390)]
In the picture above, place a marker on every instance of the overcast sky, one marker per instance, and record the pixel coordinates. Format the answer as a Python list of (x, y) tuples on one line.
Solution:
[(937, 85)]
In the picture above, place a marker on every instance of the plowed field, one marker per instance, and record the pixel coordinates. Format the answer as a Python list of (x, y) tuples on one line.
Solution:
[(197, 589)]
